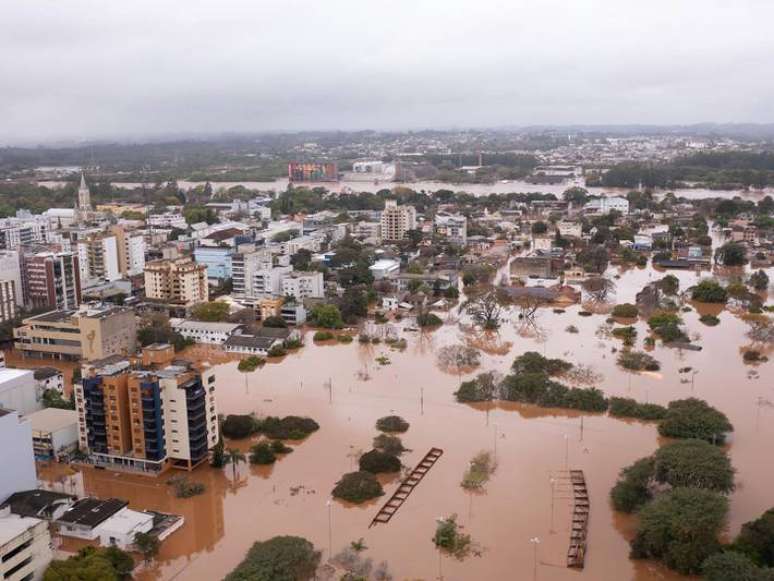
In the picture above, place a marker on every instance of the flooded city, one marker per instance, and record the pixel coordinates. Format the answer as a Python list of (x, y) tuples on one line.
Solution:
[(347, 387)]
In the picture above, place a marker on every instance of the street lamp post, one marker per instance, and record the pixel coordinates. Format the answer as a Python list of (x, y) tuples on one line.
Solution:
[(566, 451), (495, 442), (553, 485), (535, 542), (329, 504)]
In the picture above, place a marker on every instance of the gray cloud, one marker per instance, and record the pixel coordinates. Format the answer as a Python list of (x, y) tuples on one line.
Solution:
[(86, 69)]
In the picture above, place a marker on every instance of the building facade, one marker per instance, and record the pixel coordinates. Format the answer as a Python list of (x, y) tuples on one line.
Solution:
[(453, 228), (10, 270), (16, 456), (179, 281), (149, 419), (303, 285), (52, 280), (397, 220), (25, 548), (93, 332)]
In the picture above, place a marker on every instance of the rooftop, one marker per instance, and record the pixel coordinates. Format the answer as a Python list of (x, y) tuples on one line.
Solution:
[(92, 511), (46, 372), (52, 419), (34, 503), (9, 374), (12, 526)]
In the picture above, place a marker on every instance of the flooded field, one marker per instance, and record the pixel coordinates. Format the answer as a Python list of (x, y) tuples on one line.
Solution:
[(531, 446)]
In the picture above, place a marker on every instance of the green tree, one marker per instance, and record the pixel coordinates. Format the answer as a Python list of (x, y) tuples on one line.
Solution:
[(681, 528), (731, 254), (694, 463), (212, 312), (632, 490), (694, 418), (377, 462), (284, 558), (92, 564), (734, 566), (148, 545), (759, 280), (709, 291), (326, 316), (756, 539)]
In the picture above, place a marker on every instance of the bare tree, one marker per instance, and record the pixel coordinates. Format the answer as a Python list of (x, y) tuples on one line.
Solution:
[(598, 288), (486, 309)]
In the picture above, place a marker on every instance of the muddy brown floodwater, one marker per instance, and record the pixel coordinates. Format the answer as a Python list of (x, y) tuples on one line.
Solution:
[(532, 446)]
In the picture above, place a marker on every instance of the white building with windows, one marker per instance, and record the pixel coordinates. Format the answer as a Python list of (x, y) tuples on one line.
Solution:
[(605, 205), (303, 285), (16, 456), (397, 220), (25, 547), (18, 391), (203, 332), (454, 228)]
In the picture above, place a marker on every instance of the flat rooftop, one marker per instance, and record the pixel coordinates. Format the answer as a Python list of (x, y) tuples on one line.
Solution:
[(52, 419), (12, 526), (54, 317), (92, 511)]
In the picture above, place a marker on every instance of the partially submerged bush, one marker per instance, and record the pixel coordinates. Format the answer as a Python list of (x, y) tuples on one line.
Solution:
[(478, 472), (287, 428), (250, 363), (681, 528), (709, 291), (283, 558), (534, 362), (429, 320), (626, 311), (638, 361), (482, 388), (392, 424), (709, 320), (694, 418), (449, 539), (389, 444), (238, 426), (632, 490), (625, 407), (262, 454), (358, 487), (627, 334), (377, 462), (694, 463), (323, 336)]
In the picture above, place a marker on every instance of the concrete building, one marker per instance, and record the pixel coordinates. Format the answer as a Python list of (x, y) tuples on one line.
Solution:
[(254, 275), (93, 332), (110, 521), (16, 457), (52, 280), (49, 378), (604, 205), (18, 391), (161, 415), (217, 260), (98, 259), (25, 547), (8, 304), (303, 285), (203, 332), (453, 228), (167, 220), (179, 281), (54, 433), (10, 270), (131, 251), (397, 220), (384, 268), (18, 232)]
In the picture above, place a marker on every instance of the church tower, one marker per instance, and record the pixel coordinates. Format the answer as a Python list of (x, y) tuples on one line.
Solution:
[(84, 196)]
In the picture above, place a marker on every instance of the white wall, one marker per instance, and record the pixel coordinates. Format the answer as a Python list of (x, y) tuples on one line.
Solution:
[(18, 391), (16, 456)]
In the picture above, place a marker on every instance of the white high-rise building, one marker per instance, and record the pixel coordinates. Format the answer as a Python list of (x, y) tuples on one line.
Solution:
[(16, 455), (397, 220), (10, 270), (254, 275), (98, 259), (25, 547)]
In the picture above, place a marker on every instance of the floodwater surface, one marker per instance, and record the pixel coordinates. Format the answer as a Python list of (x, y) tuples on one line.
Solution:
[(531, 446)]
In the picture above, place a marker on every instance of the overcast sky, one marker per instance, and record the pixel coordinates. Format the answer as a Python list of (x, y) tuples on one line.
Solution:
[(77, 69)]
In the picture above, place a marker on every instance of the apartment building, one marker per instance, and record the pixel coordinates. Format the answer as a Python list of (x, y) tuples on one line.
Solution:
[(453, 228), (25, 547), (162, 414), (51, 280), (180, 281), (254, 275), (16, 456), (93, 332), (17, 232), (303, 285), (98, 259), (10, 270), (7, 300), (397, 220), (131, 251)]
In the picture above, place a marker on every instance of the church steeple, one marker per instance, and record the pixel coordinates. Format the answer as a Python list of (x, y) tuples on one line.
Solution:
[(84, 196)]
